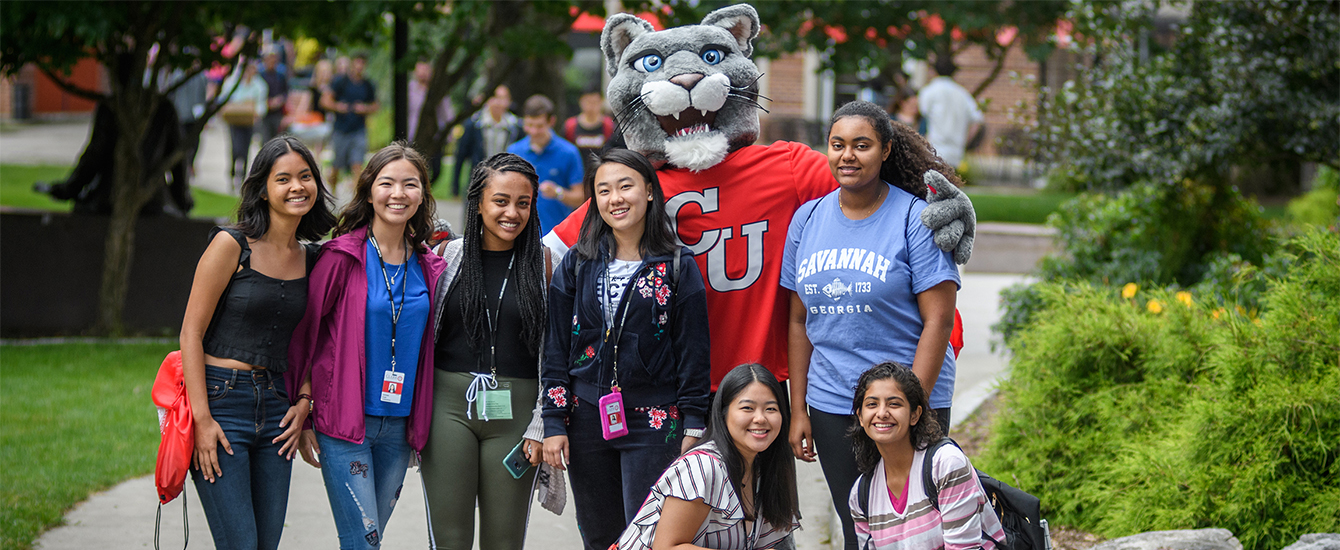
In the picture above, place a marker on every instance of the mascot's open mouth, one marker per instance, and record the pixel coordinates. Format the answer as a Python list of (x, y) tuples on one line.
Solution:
[(689, 122)]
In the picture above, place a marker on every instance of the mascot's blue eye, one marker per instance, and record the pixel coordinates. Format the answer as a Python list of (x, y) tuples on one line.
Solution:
[(712, 57), (649, 63)]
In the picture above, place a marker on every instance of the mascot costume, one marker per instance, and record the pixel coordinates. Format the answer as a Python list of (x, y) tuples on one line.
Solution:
[(687, 99)]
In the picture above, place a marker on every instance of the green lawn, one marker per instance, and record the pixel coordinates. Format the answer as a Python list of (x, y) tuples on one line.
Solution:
[(16, 190), (1018, 206), (74, 419)]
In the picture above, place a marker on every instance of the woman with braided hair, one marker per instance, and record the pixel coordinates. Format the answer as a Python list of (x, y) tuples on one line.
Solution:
[(868, 285), (490, 308)]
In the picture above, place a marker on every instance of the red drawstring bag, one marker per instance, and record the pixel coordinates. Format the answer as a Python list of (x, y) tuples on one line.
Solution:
[(956, 335), (177, 427)]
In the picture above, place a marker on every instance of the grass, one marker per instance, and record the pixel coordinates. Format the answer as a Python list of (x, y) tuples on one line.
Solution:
[(16, 190), (74, 419), (1017, 206)]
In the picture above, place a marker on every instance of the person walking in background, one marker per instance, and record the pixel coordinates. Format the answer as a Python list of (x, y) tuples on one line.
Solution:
[(890, 434), (276, 82), (868, 285), (736, 490), (627, 329), (418, 93), (486, 133), (351, 98), (951, 113), (310, 123), (555, 159), (590, 129), (244, 108), (189, 99), (365, 345), (490, 307), (249, 292)]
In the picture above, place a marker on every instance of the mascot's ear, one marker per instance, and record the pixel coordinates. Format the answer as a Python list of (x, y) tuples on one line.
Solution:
[(742, 22), (620, 31)]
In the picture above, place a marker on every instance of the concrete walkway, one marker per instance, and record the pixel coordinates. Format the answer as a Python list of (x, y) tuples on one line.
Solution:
[(123, 516)]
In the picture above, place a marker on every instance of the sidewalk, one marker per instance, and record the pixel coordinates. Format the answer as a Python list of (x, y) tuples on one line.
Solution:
[(123, 517)]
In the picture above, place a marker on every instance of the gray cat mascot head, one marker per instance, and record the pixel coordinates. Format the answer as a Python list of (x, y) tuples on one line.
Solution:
[(687, 95)]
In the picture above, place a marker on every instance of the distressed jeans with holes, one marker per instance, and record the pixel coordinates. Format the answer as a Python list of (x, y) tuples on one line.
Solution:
[(246, 505), (363, 480)]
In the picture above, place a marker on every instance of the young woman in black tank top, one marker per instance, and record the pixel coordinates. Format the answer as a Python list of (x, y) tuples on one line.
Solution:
[(249, 291)]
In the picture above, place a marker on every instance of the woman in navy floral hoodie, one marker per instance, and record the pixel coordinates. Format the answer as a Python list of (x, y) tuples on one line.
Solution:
[(626, 374)]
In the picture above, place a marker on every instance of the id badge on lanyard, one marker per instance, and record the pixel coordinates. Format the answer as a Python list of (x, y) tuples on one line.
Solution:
[(484, 395), (393, 382)]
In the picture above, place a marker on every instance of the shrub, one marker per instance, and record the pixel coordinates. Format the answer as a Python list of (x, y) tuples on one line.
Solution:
[(1321, 205), (1167, 411)]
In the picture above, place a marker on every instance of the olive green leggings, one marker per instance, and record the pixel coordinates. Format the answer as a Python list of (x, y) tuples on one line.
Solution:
[(463, 460)]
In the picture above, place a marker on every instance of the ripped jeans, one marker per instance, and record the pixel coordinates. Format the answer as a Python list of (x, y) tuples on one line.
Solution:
[(363, 480)]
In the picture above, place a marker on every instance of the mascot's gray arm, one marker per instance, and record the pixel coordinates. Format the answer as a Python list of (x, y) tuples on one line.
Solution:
[(950, 216)]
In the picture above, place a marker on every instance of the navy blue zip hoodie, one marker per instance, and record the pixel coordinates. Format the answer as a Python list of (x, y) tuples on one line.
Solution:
[(664, 351)]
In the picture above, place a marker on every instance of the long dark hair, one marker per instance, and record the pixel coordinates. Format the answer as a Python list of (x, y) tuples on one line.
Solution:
[(359, 211), (529, 266), (657, 236), (910, 155), (927, 430), (253, 212), (776, 495)]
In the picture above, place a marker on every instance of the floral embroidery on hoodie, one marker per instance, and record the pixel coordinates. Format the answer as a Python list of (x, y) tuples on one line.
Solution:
[(558, 395)]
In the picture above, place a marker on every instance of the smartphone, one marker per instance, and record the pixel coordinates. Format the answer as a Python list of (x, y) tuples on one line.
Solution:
[(516, 462)]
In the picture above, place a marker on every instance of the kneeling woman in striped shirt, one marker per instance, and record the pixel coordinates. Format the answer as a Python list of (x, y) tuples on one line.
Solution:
[(889, 440)]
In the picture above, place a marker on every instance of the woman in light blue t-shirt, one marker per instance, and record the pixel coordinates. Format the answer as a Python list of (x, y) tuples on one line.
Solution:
[(869, 286)]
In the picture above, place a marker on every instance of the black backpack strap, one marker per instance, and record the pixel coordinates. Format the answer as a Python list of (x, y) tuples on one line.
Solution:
[(863, 491), (243, 259), (928, 476), (313, 250)]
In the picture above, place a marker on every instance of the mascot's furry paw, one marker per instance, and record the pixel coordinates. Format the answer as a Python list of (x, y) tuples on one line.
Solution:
[(950, 215)]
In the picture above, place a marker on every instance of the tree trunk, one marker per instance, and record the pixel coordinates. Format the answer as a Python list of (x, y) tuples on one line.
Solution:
[(133, 107)]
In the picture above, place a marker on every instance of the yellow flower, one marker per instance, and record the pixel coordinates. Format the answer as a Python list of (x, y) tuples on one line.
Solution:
[(1216, 313), (1128, 291), (1256, 322), (1184, 297), (1154, 306)]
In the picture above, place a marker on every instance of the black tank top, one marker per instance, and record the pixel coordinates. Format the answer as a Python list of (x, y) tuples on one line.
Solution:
[(255, 317)]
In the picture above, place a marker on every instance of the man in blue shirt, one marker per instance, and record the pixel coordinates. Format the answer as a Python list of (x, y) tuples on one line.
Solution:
[(556, 161), (352, 98)]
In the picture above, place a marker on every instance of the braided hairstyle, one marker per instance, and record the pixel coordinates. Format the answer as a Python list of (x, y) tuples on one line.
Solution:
[(528, 270), (910, 156)]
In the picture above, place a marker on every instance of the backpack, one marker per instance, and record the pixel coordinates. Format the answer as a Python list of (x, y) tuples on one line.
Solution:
[(1020, 513)]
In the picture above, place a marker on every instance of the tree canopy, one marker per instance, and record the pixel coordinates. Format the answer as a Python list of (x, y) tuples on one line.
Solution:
[(1162, 98)]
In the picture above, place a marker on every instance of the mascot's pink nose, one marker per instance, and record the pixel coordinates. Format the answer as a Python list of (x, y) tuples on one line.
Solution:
[(687, 81)]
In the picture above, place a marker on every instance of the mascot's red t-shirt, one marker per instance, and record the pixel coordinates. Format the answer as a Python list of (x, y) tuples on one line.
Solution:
[(735, 216)]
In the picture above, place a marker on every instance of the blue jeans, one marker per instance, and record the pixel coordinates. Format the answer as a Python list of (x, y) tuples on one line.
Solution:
[(246, 505), (611, 479), (363, 480)]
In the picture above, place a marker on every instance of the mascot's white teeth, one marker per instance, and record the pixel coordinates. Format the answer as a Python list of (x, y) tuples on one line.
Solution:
[(690, 130)]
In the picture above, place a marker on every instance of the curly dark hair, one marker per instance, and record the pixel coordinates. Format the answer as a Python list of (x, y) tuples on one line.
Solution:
[(925, 431), (359, 212), (911, 156), (253, 213), (529, 267)]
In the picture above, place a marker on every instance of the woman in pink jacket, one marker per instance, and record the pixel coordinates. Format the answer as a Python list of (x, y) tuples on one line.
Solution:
[(365, 345)]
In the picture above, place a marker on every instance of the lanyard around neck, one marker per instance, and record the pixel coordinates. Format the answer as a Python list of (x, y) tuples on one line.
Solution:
[(623, 300), (390, 296), (493, 323)]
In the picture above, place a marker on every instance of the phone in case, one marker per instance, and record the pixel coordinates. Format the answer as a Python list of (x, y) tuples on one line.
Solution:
[(516, 462), (615, 419)]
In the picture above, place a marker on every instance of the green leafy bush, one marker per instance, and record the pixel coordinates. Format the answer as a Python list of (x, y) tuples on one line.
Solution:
[(1170, 411), (1321, 205)]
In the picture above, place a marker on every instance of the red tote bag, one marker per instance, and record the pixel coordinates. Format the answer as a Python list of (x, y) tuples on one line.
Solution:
[(177, 427)]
